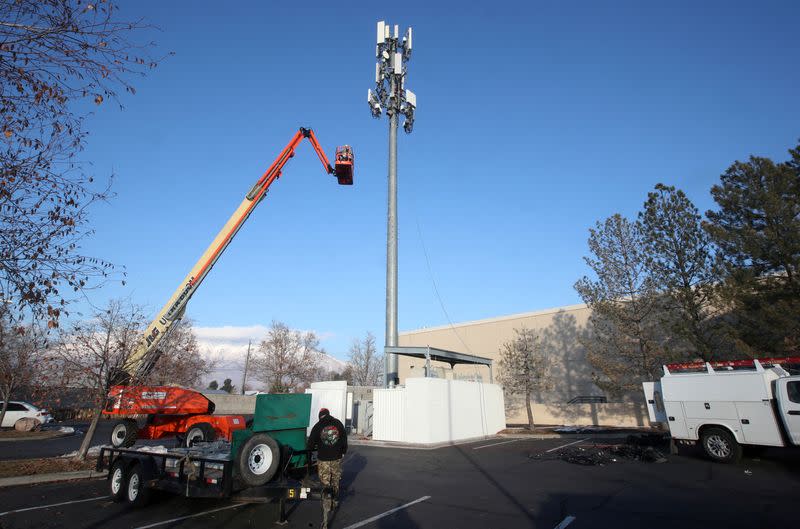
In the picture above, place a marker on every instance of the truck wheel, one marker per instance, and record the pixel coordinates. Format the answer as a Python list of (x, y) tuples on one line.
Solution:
[(123, 434), (137, 493), (720, 445), (117, 480), (201, 432), (258, 460)]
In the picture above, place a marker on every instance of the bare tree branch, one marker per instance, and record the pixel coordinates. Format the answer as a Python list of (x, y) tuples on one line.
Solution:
[(53, 54)]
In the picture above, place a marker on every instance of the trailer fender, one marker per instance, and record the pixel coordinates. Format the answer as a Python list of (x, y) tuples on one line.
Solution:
[(147, 463)]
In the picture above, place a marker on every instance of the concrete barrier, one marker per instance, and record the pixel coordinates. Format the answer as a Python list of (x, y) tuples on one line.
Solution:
[(225, 404)]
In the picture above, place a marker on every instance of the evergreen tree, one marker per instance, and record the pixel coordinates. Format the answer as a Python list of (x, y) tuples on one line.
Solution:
[(757, 228), (624, 343), (679, 256)]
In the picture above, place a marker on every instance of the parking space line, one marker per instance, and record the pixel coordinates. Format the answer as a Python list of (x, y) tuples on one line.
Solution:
[(566, 445), (192, 515), (565, 522), (53, 505), (501, 443), (387, 513)]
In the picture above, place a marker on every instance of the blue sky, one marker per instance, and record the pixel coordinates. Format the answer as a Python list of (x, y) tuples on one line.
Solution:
[(535, 119)]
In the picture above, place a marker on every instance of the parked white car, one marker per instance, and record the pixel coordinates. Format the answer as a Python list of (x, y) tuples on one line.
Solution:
[(19, 410)]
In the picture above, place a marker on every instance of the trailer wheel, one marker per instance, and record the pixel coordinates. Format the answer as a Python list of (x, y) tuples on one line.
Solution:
[(720, 445), (199, 433), (136, 492), (123, 434), (117, 480), (258, 460)]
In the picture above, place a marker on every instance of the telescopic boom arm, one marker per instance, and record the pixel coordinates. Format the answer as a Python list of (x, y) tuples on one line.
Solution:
[(146, 353)]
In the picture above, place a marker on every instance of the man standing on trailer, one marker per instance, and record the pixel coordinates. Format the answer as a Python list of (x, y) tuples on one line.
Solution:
[(329, 438)]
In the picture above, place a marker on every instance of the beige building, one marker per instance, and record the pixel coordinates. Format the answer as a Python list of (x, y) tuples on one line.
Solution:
[(560, 331)]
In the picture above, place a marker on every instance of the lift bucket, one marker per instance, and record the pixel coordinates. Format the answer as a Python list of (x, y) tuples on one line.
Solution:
[(344, 165)]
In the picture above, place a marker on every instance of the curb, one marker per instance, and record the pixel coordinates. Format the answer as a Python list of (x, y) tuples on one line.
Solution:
[(11, 440), (533, 437), (604, 435), (410, 446), (51, 478)]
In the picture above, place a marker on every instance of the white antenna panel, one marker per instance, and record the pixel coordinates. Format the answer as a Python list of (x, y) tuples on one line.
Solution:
[(411, 98), (396, 31), (381, 31), (377, 72), (398, 63)]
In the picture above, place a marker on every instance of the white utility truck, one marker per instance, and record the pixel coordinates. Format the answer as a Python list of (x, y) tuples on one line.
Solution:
[(725, 405)]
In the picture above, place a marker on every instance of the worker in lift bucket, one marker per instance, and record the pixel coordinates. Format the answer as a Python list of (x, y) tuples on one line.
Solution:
[(329, 438)]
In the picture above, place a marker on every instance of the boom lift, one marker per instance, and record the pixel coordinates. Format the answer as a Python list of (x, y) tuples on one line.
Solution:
[(173, 410)]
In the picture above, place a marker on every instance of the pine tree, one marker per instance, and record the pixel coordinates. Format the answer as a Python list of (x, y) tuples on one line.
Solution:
[(757, 228), (624, 342), (680, 259)]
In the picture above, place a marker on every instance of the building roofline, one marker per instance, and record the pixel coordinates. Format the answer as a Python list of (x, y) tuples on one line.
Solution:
[(566, 308)]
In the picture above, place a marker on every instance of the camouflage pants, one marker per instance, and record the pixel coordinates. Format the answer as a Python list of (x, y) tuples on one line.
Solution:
[(330, 473)]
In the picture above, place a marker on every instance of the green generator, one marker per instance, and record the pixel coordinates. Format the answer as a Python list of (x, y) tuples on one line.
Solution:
[(279, 428)]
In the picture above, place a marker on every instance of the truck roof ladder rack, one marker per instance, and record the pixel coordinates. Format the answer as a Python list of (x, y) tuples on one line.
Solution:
[(709, 367)]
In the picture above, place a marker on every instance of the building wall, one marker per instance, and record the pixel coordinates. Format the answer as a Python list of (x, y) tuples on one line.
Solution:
[(558, 330), (619, 414)]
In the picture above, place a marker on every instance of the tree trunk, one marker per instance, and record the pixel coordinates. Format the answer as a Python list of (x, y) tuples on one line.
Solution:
[(530, 411), (3, 412), (87, 439)]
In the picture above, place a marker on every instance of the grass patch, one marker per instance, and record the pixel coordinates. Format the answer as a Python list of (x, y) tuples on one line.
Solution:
[(10, 433), (29, 467)]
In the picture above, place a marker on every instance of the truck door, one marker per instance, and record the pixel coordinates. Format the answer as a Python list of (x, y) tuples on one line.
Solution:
[(655, 401), (787, 393)]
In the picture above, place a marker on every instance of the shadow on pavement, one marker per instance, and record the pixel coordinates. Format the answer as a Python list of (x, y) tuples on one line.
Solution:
[(497, 485)]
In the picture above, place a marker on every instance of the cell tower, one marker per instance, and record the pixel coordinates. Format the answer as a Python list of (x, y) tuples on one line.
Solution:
[(391, 96)]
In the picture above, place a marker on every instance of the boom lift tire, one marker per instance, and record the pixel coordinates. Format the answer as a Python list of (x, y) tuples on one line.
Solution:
[(123, 434), (137, 494), (720, 445), (117, 480), (258, 460), (201, 432)]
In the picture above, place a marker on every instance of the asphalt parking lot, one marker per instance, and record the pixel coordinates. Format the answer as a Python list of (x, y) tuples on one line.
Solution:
[(488, 484)]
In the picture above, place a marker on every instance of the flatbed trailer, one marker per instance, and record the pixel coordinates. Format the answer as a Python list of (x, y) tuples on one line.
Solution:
[(201, 473)]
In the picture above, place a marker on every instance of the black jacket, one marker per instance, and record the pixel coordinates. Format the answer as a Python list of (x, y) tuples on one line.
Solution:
[(329, 438)]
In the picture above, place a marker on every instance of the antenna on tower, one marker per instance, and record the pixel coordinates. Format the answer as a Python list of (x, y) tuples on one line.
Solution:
[(392, 55)]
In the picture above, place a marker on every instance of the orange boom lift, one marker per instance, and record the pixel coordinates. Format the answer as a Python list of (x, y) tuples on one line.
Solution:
[(173, 410)]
